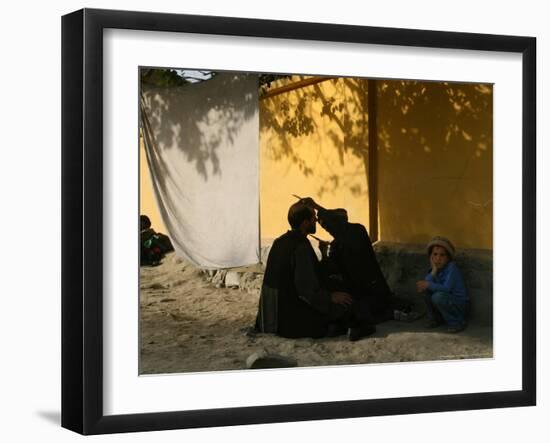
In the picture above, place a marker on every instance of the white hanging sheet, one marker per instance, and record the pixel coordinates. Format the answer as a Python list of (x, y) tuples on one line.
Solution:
[(202, 144)]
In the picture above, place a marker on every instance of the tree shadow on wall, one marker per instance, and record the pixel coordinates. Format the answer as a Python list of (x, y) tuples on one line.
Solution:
[(456, 115), (440, 136), (413, 119), (197, 119), (319, 116)]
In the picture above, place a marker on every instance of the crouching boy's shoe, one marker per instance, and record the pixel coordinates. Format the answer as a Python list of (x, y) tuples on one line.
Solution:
[(455, 329), (358, 332)]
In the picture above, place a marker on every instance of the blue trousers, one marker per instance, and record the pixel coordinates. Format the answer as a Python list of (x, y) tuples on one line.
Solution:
[(440, 307)]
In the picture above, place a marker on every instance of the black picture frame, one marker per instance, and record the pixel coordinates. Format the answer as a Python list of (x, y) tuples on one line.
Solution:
[(82, 219)]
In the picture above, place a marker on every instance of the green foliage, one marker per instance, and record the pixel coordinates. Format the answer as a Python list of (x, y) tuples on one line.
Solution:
[(165, 78), (265, 81), (162, 78)]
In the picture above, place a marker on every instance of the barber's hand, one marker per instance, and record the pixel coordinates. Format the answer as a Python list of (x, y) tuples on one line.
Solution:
[(341, 298), (422, 285), (323, 247), (308, 201)]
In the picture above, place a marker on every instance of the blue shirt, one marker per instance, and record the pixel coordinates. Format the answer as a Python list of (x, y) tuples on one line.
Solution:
[(449, 280)]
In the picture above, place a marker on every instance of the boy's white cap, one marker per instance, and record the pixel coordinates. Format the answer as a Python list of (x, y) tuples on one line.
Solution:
[(444, 243)]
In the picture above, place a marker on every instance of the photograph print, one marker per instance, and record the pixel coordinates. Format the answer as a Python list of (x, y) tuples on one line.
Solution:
[(301, 220)]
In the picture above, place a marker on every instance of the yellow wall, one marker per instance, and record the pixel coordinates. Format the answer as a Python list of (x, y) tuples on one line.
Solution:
[(147, 202), (435, 162), (435, 152), (307, 148)]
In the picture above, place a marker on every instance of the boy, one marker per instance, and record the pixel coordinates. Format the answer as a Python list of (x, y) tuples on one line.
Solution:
[(445, 294)]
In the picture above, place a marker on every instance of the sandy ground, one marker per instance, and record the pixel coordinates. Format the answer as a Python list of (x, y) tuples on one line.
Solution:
[(189, 325)]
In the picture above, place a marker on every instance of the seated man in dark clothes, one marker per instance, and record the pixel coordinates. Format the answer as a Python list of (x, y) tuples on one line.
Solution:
[(351, 253), (293, 302)]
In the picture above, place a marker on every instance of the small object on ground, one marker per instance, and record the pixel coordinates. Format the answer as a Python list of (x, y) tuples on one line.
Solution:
[(266, 360), (406, 316), (357, 333), (232, 279), (218, 278), (249, 331), (455, 329)]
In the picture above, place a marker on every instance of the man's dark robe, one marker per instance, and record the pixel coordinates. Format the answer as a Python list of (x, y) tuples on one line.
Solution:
[(292, 302), (352, 254)]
